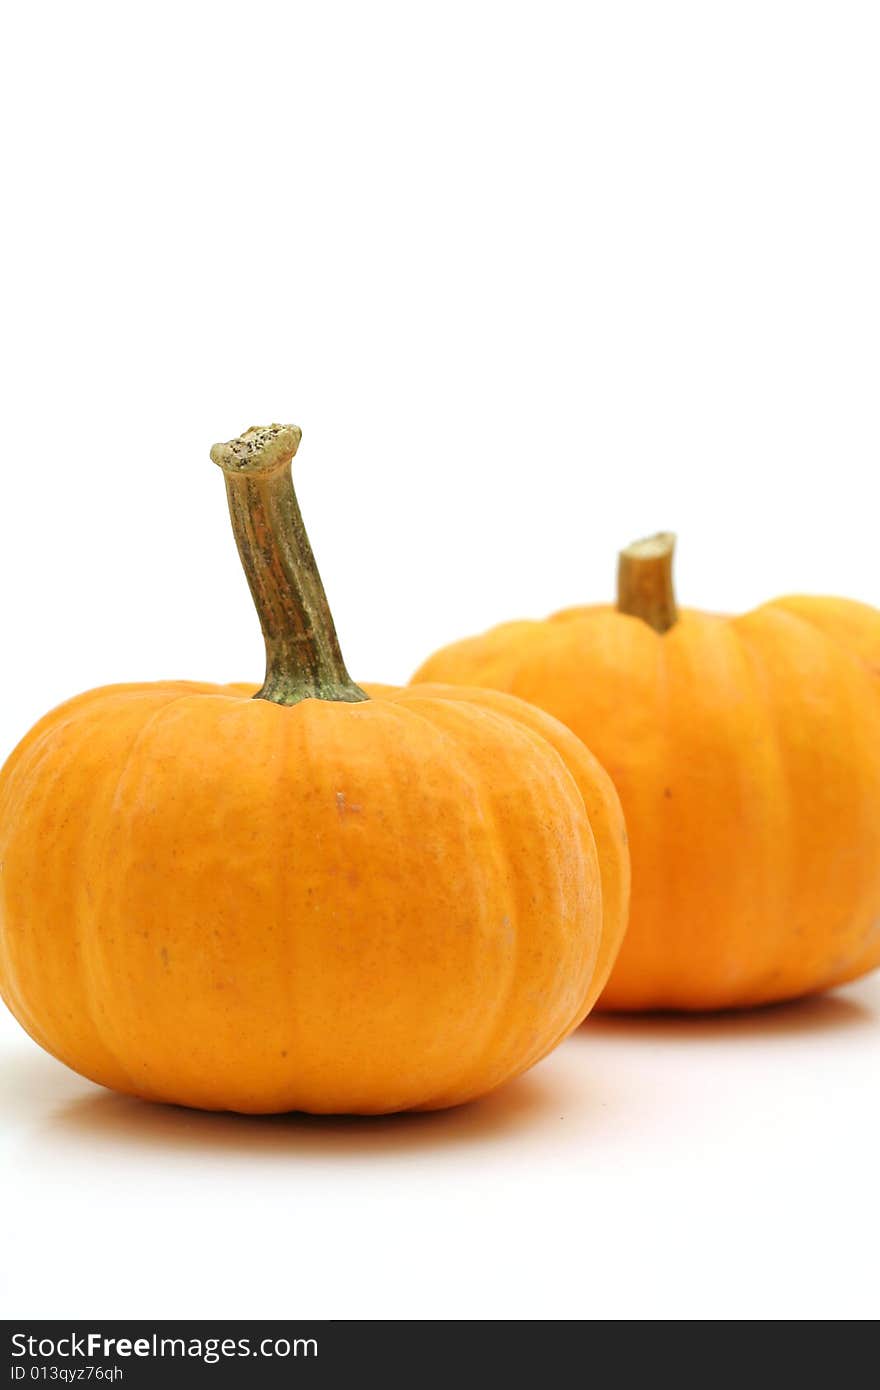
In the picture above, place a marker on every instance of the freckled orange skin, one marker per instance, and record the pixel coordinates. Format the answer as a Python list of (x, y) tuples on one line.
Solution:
[(746, 752), (225, 903)]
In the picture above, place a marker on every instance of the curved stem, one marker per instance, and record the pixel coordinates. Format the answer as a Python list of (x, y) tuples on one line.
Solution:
[(303, 658), (644, 581)]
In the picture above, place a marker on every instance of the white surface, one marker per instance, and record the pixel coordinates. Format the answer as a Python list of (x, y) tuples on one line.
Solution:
[(535, 279), (698, 1169)]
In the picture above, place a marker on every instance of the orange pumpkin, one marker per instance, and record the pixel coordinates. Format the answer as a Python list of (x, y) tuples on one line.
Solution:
[(311, 899), (746, 752)]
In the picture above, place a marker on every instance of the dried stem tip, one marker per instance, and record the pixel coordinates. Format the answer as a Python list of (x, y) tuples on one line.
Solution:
[(261, 449), (644, 581)]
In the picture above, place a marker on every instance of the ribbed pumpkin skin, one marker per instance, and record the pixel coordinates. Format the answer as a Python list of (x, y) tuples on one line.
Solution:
[(600, 800), (230, 904), (746, 752)]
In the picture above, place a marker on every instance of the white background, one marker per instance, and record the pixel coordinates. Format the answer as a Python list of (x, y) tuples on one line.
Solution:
[(534, 279)]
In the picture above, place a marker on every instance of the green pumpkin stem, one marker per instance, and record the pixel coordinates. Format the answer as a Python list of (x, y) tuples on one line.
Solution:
[(644, 581), (303, 658)]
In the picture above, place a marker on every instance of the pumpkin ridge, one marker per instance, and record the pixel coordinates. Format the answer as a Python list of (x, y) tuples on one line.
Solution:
[(500, 1013), (87, 967), (481, 1052), (600, 799), (780, 605), (289, 948), (662, 653), (14, 973), (741, 831), (797, 941), (50, 725), (781, 872)]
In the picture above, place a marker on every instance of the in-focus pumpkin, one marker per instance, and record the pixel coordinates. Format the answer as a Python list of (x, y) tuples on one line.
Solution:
[(746, 752), (309, 899)]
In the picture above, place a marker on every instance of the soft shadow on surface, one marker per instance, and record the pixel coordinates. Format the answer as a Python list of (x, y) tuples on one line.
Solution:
[(822, 1013), (105, 1118)]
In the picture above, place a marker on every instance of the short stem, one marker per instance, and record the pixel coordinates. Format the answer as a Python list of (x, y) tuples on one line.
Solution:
[(303, 659), (644, 581)]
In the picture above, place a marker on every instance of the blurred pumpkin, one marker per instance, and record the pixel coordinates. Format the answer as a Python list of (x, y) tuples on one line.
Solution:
[(746, 752), (311, 899)]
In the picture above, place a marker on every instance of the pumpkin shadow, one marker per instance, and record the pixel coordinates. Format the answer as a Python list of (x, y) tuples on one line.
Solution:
[(821, 1013), (104, 1118)]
